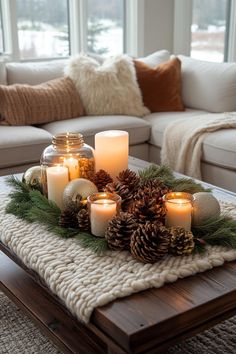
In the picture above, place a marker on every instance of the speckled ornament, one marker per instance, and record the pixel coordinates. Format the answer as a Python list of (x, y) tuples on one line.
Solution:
[(205, 206), (32, 176), (77, 189)]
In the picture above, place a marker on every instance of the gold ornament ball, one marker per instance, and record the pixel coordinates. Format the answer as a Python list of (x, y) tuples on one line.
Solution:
[(205, 206), (77, 189), (32, 176)]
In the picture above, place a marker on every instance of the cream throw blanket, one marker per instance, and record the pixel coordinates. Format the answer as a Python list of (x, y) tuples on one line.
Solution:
[(182, 144)]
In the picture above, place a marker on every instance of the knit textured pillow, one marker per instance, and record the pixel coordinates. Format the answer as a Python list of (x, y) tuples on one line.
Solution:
[(161, 86), (107, 89), (48, 102)]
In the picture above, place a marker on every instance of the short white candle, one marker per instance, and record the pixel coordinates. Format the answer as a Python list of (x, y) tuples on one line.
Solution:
[(111, 151), (101, 212), (57, 179), (179, 213), (73, 166)]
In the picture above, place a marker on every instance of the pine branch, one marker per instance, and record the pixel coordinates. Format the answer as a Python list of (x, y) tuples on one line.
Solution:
[(218, 231), (96, 244), (17, 185), (42, 203), (187, 185), (165, 174), (154, 171)]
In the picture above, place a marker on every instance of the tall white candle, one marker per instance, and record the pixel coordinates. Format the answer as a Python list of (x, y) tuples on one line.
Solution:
[(111, 151), (57, 179), (73, 166), (101, 212), (179, 213)]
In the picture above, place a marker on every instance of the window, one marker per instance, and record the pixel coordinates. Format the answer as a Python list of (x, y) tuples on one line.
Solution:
[(1, 32), (40, 29), (209, 29), (105, 26), (43, 29)]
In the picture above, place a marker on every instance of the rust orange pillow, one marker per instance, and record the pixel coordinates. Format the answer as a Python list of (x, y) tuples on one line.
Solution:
[(160, 86), (48, 102)]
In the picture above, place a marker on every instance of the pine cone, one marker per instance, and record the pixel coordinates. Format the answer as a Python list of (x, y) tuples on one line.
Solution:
[(68, 218), (129, 178), (150, 242), (182, 241), (119, 231), (148, 204), (123, 191), (83, 220), (101, 179)]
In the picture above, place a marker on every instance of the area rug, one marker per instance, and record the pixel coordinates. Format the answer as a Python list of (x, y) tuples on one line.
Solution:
[(18, 335)]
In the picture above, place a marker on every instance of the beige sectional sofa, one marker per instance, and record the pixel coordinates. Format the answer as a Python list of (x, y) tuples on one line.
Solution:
[(21, 146)]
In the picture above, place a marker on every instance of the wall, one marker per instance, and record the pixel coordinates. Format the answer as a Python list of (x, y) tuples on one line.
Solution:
[(158, 25)]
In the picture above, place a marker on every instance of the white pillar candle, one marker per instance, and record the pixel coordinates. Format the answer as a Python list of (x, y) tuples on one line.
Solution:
[(179, 213), (57, 179), (73, 166), (101, 212), (111, 151)]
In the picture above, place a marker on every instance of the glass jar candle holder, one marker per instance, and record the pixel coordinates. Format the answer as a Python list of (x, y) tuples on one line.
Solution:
[(179, 207), (102, 207), (68, 150)]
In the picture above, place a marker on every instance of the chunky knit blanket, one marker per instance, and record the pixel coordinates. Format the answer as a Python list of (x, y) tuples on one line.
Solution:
[(182, 141), (84, 280)]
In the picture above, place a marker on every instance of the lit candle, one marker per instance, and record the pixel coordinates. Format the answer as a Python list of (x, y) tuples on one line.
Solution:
[(73, 166), (57, 179), (101, 213), (102, 207), (111, 151), (178, 209)]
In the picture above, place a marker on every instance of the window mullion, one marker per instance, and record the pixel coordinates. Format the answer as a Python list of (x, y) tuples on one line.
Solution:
[(182, 26), (83, 20), (10, 29), (135, 27), (74, 23), (232, 33)]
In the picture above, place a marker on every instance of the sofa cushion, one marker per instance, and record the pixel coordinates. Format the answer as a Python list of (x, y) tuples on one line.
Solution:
[(160, 86), (219, 148), (155, 58), (34, 73), (138, 129), (110, 88), (47, 102), (22, 145), (208, 86)]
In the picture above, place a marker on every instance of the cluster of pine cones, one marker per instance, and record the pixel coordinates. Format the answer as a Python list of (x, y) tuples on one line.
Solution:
[(139, 227)]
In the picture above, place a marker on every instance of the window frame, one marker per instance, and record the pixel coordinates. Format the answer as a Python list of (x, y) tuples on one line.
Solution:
[(77, 24), (182, 29)]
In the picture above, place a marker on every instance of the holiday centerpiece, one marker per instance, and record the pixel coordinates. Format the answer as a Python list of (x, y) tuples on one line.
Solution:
[(149, 214)]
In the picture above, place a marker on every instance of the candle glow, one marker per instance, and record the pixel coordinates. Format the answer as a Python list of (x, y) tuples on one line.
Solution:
[(178, 210)]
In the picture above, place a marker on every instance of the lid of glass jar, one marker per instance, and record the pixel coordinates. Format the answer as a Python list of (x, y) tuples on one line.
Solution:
[(68, 140)]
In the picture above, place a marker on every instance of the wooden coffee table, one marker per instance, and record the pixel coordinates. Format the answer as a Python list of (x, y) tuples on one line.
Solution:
[(147, 322)]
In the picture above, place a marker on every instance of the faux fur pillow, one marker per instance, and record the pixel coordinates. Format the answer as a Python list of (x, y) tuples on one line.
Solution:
[(161, 86), (110, 88), (26, 105)]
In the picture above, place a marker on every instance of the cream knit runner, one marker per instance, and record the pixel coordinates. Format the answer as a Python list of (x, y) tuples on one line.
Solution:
[(84, 280), (182, 141)]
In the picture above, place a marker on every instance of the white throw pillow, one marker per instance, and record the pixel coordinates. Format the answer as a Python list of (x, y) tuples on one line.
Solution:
[(156, 58), (110, 88), (208, 86)]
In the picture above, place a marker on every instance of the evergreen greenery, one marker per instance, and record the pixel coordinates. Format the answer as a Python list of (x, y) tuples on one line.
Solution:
[(29, 204), (165, 174), (32, 206)]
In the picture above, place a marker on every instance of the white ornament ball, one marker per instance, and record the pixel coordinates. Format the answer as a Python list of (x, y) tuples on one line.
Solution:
[(77, 189), (205, 206)]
